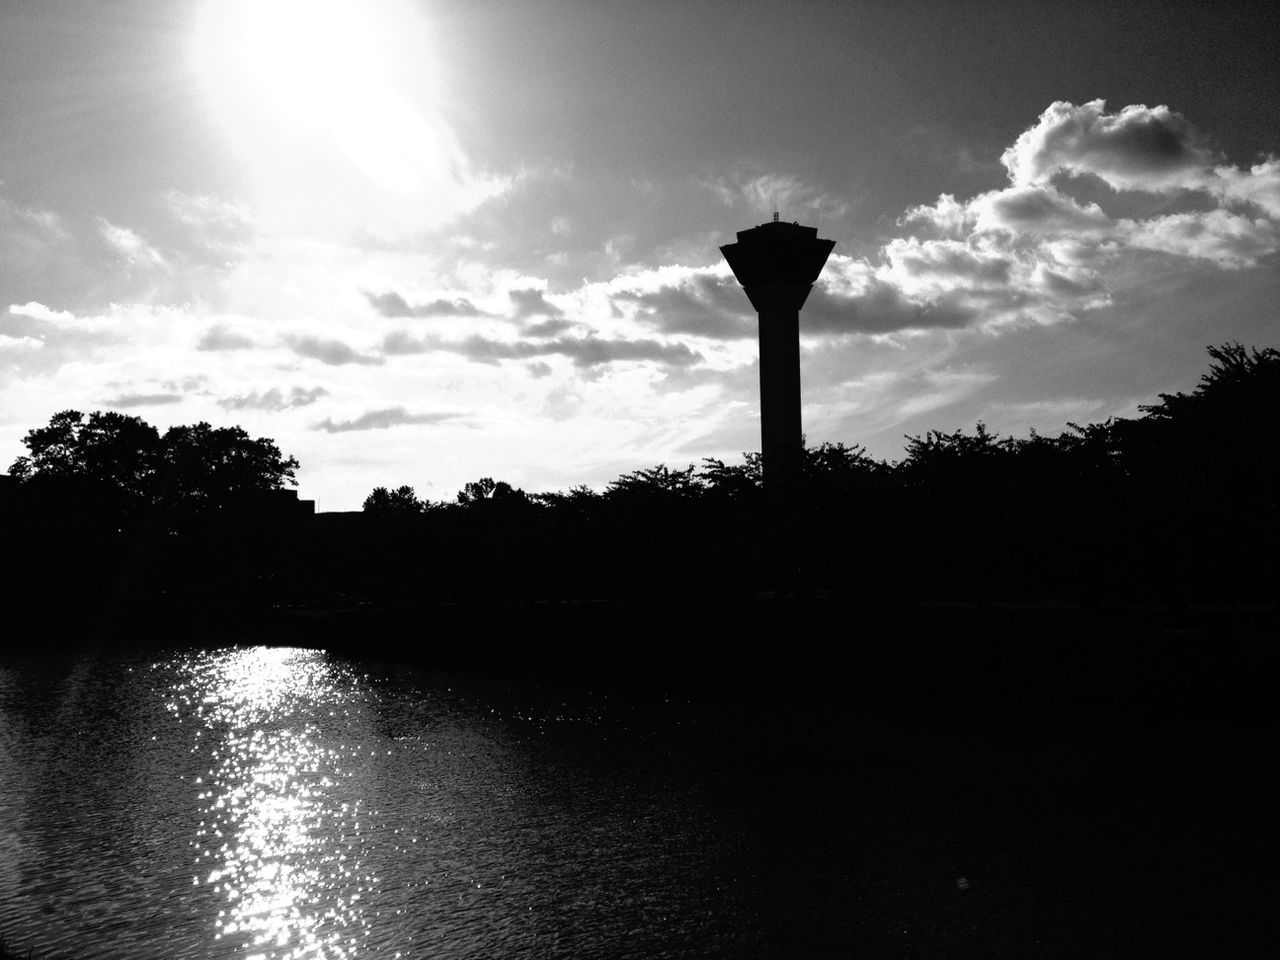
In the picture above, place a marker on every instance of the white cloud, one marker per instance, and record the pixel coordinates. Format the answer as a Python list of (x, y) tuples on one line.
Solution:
[(1227, 239), (1138, 148), (129, 244), (1259, 185), (1031, 252), (8, 342), (762, 193), (38, 311)]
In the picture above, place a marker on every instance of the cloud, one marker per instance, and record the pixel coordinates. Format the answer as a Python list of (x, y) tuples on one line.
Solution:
[(219, 223), (945, 263), (37, 339), (218, 337), (30, 242), (1258, 186), (384, 419), (402, 343), (38, 311), (1034, 252), (547, 328), (532, 303), (393, 305), (127, 400), (702, 304), (1138, 148), (1227, 239), (763, 193), (10, 342), (879, 307), (1039, 210), (194, 384), (591, 351), (129, 244), (583, 351), (274, 400), (331, 352)]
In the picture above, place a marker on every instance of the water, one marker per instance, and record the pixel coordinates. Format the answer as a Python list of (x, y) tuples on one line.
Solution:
[(279, 803)]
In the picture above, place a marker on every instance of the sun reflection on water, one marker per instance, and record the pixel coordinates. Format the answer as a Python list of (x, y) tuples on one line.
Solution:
[(284, 856)]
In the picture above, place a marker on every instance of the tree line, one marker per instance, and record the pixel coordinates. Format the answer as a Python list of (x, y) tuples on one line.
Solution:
[(1179, 504)]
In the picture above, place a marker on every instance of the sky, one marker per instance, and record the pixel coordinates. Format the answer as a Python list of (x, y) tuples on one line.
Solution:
[(425, 241)]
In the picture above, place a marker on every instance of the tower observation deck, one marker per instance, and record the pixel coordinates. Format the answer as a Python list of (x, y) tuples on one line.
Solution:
[(777, 264)]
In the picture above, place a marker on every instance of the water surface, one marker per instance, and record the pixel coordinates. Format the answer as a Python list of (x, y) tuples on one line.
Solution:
[(273, 803)]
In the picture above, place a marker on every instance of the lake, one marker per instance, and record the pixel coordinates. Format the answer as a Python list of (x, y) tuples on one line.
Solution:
[(271, 802)]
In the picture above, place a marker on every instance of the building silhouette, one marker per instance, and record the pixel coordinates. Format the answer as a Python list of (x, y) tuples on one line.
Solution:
[(777, 264)]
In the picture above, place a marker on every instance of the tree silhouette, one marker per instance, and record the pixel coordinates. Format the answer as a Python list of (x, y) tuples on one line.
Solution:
[(212, 468), (658, 482), (112, 457), (487, 489), (1182, 501), (400, 502), (107, 449)]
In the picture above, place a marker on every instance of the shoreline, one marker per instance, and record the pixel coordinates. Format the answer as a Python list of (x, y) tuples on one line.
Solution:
[(1117, 667)]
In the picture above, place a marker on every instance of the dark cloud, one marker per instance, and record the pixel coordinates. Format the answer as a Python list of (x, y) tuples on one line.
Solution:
[(126, 400), (880, 308), (1042, 209), (1065, 287), (950, 260), (220, 338), (583, 351), (391, 304), (273, 399), (531, 303), (402, 343), (383, 419), (547, 328), (538, 369), (703, 305), (332, 352), (186, 384)]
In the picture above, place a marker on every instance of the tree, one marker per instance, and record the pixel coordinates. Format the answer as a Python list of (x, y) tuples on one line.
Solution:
[(108, 449), (733, 481), (195, 467), (658, 482), (486, 489), (400, 502), (206, 467)]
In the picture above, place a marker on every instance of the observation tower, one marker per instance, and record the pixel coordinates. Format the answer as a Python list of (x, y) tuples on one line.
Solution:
[(777, 264)]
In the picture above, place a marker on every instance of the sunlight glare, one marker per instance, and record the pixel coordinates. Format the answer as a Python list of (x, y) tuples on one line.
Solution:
[(302, 83), (280, 852)]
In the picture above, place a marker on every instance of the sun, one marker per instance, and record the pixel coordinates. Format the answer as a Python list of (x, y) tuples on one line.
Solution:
[(311, 56), (299, 82)]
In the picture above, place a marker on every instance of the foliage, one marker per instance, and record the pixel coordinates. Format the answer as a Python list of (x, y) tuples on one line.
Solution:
[(108, 448), (1180, 501), (192, 468), (206, 466), (486, 489), (400, 502), (658, 482)]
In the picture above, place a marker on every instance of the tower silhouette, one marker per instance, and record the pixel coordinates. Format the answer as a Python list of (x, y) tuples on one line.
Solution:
[(777, 263)]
